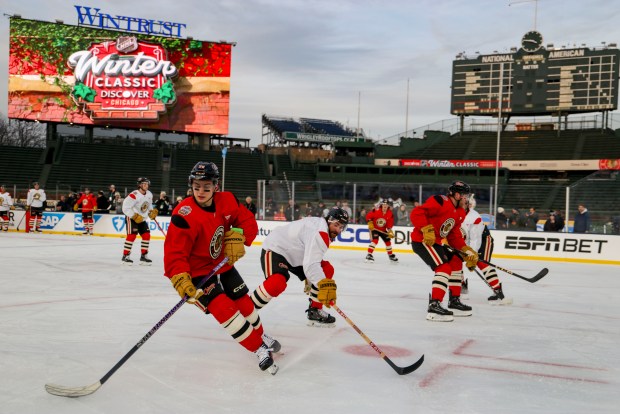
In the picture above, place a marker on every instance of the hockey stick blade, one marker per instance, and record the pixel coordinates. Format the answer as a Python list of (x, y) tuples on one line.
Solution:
[(72, 392), (533, 279), (75, 392), (399, 370), (405, 370)]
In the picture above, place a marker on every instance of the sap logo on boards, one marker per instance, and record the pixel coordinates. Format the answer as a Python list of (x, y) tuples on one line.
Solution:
[(50, 220)]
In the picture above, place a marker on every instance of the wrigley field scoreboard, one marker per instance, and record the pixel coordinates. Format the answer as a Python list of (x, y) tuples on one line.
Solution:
[(536, 81)]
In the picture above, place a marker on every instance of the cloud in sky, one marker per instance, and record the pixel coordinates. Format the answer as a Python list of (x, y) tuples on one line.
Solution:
[(316, 58)]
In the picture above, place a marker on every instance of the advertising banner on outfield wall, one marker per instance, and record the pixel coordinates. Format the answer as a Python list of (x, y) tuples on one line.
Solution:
[(567, 247), (91, 76)]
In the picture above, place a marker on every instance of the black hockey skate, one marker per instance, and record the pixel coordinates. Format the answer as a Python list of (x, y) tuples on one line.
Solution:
[(126, 260), (272, 343), (393, 258), (437, 313), (369, 258), (318, 317), (145, 261), (265, 360), (498, 298), (457, 307)]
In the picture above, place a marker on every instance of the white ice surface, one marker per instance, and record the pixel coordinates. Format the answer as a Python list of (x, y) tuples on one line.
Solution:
[(69, 311)]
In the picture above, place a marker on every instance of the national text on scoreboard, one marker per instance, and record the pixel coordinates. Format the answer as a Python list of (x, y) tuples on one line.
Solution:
[(540, 82)]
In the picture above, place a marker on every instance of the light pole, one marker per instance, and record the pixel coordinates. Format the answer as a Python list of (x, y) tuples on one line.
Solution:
[(499, 131), (224, 150)]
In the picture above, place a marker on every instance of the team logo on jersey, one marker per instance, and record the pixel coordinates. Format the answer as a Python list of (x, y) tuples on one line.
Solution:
[(447, 227), (381, 222), (144, 207), (215, 248), (185, 210)]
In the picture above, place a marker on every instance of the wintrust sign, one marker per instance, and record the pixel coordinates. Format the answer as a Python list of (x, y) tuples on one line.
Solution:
[(123, 80)]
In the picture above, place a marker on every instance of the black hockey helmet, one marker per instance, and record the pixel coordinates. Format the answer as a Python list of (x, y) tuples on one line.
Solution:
[(141, 180), (204, 171), (338, 214), (459, 187)]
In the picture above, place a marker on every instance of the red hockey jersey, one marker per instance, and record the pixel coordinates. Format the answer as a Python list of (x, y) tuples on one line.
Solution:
[(86, 203), (445, 218), (196, 235), (382, 221)]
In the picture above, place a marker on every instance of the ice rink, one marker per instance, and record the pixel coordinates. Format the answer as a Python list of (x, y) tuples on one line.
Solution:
[(70, 311)]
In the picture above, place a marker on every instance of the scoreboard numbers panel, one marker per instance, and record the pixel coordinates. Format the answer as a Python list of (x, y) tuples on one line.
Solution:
[(537, 83)]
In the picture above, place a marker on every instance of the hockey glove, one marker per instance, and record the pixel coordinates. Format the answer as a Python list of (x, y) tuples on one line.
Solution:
[(470, 258), (75, 208), (137, 218), (371, 226), (390, 234), (327, 292), (153, 213), (428, 233), (233, 246), (184, 286)]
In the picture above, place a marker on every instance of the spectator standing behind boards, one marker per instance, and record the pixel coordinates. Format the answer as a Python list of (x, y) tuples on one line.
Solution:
[(501, 220), (550, 224), (103, 205), (87, 203), (250, 205), (582, 220), (163, 204), (36, 203), (6, 204), (111, 193), (531, 219), (62, 204), (402, 216), (292, 211), (117, 204)]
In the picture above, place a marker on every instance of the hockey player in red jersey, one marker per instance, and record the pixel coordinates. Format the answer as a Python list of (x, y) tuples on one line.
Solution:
[(440, 217), (204, 229), (380, 223), (299, 248), (88, 204), (138, 206)]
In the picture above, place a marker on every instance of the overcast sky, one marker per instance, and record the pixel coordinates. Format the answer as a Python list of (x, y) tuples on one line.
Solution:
[(305, 58)]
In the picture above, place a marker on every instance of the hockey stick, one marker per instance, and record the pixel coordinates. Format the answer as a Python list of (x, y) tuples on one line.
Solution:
[(533, 279), (486, 282), (20, 221), (160, 229), (74, 392), (399, 370)]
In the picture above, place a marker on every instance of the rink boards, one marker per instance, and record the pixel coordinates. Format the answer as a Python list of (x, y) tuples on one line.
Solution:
[(565, 247)]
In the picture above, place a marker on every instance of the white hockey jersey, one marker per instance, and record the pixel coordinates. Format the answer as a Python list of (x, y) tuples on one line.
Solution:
[(139, 203), (302, 243), (36, 198), (473, 226), (6, 201)]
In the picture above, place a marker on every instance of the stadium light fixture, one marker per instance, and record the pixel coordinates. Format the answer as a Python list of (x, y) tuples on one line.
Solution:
[(613, 45), (549, 45), (17, 16), (59, 21)]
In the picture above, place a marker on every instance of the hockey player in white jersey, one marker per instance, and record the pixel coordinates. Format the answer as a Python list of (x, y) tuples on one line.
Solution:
[(6, 204), (478, 237), (36, 203), (299, 248), (138, 207)]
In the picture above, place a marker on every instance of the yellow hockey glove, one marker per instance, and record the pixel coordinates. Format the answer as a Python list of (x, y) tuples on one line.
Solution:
[(184, 286), (470, 258), (428, 233), (233, 246), (327, 292), (137, 218), (153, 213)]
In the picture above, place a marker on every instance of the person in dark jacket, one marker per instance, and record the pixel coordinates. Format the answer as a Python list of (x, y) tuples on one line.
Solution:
[(582, 220)]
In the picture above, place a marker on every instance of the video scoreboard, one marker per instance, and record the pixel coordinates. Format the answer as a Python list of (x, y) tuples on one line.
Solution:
[(536, 81)]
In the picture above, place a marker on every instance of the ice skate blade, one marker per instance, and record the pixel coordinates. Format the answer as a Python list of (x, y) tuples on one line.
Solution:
[(145, 264), (321, 325), (460, 313), (503, 302), (434, 317), (369, 261), (273, 369)]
